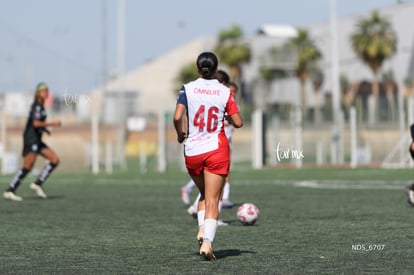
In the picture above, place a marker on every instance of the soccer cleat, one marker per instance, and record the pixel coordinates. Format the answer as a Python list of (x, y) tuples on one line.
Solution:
[(185, 196), (192, 210), (11, 196), (227, 204), (39, 190), (206, 252), (221, 223)]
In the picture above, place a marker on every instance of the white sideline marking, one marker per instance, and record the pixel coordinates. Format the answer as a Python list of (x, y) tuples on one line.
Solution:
[(342, 184), (316, 184), (333, 184)]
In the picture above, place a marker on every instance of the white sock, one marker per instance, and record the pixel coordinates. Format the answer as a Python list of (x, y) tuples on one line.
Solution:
[(189, 186), (200, 218), (226, 191), (197, 200), (210, 228)]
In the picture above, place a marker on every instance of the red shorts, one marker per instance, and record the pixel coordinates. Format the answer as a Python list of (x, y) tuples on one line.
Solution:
[(216, 162)]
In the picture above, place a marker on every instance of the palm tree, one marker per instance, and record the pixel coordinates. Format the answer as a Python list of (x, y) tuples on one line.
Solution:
[(232, 50), (347, 97), (374, 41), (345, 86), (307, 54), (389, 82), (317, 77)]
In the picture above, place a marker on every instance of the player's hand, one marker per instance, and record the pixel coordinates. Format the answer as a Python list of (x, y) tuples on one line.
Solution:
[(56, 123), (228, 121), (181, 137)]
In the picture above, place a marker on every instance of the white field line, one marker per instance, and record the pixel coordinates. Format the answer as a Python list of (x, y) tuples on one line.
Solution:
[(317, 184), (115, 181), (334, 184), (343, 184)]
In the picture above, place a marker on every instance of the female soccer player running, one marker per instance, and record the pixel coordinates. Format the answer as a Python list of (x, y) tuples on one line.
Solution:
[(228, 130), (206, 149), (32, 146), (187, 189)]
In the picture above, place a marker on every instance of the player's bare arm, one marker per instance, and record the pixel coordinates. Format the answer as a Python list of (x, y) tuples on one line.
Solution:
[(43, 124), (236, 120), (178, 122)]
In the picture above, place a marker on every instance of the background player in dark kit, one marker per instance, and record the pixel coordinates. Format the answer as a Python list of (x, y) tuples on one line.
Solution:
[(32, 146), (410, 189)]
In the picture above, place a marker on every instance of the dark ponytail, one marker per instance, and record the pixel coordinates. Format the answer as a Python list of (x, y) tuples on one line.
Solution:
[(206, 73), (207, 64)]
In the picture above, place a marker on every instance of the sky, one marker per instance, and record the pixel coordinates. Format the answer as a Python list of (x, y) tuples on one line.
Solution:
[(60, 41)]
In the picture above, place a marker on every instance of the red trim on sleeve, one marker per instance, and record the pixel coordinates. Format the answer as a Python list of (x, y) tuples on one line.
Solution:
[(231, 106)]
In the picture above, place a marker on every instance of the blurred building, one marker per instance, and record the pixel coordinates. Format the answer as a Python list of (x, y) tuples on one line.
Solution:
[(16, 104), (150, 88), (283, 91), (402, 63)]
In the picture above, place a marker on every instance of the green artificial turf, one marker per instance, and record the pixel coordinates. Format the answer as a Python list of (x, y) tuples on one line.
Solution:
[(312, 221)]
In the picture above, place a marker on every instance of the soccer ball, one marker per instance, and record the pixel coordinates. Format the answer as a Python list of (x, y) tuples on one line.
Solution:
[(248, 213)]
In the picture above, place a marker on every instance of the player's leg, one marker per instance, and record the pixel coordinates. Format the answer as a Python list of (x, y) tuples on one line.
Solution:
[(199, 182), (194, 166), (226, 203), (213, 188), (53, 159), (410, 194), (28, 161), (410, 189), (186, 192), (411, 149), (192, 210), (220, 206), (217, 166)]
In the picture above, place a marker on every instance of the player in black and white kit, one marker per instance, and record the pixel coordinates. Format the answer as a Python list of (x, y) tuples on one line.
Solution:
[(410, 189), (32, 146)]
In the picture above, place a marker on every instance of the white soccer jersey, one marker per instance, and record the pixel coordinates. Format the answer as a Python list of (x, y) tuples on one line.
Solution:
[(206, 102)]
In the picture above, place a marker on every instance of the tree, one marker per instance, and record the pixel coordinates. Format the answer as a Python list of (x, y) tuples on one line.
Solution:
[(187, 73), (349, 95), (317, 77), (232, 50), (389, 83), (307, 54), (344, 86), (373, 42)]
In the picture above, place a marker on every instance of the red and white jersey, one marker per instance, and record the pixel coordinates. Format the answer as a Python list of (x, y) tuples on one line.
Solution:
[(206, 102)]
